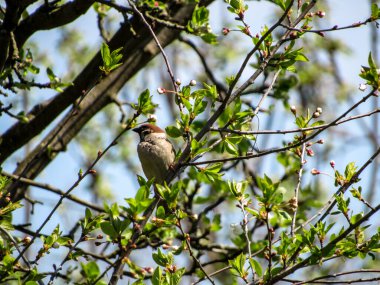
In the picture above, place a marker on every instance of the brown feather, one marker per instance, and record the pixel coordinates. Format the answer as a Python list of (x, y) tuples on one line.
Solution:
[(155, 128)]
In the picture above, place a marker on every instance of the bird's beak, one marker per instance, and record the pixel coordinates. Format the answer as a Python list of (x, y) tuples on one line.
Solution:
[(136, 130)]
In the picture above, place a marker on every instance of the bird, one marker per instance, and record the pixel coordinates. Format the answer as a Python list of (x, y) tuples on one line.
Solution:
[(155, 151)]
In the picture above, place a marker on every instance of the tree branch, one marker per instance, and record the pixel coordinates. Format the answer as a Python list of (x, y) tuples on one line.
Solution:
[(140, 51), (43, 19)]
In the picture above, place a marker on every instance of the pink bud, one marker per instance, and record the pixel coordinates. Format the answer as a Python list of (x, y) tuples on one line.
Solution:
[(315, 171), (322, 34), (332, 163), (225, 31), (309, 152), (161, 90), (321, 14)]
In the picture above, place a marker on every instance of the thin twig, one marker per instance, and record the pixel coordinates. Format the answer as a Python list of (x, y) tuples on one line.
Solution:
[(76, 183), (359, 280), (122, 9), (103, 32), (166, 23), (266, 92), (257, 46), (171, 75), (244, 224), (331, 203), (291, 146), (231, 96), (59, 268), (209, 72), (187, 241), (334, 28), (331, 244), (256, 111), (119, 265), (12, 240), (225, 268), (296, 190), (313, 280), (299, 130), (53, 190)]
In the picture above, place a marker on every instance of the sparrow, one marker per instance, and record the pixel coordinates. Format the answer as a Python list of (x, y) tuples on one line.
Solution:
[(155, 151)]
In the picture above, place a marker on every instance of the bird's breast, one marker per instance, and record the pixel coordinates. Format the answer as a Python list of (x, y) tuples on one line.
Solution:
[(156, 157)]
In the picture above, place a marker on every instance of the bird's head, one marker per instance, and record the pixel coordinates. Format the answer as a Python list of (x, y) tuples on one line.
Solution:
[(147, 129)]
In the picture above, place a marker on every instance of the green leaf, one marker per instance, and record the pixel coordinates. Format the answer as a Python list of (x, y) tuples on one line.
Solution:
[(111, 60), (157, 276), (317, 123), (231, 147), (371, 73), (283, 4), (237, 265), (187, 104), (210, 38), (216, 223), (108, 229), (356, 218), (163, 259), (50, 74), (144, 103), (106, 55), (160, 213), (375, 12), (371, 61), (175, 277), (256, 267), (350, 170), (200, 107), (199, 24), (142, 194), (162, 190), (173, 131), (230, 79), (90, 270)]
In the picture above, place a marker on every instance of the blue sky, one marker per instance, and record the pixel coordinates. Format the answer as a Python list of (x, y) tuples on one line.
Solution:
[(62, 172)]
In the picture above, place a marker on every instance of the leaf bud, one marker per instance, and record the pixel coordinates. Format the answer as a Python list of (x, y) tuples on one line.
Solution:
[(225, 31), (362, 87), (161, 90), (152, 118), (309, 152), (315, 171)]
